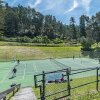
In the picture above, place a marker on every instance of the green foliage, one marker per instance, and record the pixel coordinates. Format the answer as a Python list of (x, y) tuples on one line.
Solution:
[(41, 39), (25, 21), (72, 28), (82, 26), (57, 41), (97, 49), (10, 23), (86, 44), (23, 39)]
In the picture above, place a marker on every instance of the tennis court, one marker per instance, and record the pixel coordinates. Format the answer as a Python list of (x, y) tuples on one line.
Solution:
[(27, 69)]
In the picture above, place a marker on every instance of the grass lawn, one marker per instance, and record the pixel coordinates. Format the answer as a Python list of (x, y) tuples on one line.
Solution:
[(36, 52), (87, 92)]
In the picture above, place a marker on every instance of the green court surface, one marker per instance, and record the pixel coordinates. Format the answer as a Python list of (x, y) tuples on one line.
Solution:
[(27, 69)]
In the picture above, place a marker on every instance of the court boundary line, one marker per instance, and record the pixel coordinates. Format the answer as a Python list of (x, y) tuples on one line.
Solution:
[(35, 68), (24, 71)]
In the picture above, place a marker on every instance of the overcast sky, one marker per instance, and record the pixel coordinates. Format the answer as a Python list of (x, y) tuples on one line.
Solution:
[(62, 9)]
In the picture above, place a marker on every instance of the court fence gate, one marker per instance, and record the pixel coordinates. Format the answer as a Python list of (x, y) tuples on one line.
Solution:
[(58, 88)]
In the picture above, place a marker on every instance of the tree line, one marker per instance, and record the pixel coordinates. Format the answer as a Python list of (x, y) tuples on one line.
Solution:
[(25, 24)]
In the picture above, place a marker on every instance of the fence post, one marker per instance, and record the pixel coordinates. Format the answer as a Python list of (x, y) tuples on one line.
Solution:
[(43, 81), (17, 89), (13, 91), (97, 78), (4, 98), (41, 92), (68, 82), (35, 81)]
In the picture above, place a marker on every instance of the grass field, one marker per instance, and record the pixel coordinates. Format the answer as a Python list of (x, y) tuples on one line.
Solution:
[(28, 52), (83, 93)]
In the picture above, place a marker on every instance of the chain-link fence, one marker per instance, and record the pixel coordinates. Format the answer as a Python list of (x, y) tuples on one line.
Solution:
[(54, 85)]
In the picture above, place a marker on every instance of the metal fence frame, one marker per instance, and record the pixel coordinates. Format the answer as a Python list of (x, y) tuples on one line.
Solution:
[(68, 74), (43, 85)]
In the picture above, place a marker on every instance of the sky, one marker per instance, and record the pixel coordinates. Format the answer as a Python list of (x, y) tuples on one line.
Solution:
[(61, 9)]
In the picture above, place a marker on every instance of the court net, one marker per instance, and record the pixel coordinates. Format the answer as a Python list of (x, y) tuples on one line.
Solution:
[(59, 63)]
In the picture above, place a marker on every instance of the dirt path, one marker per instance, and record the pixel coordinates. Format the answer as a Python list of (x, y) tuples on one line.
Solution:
[(25, 94)]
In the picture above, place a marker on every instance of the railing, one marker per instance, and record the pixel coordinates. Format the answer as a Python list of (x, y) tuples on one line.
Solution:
[(43, 85), (13, 90)]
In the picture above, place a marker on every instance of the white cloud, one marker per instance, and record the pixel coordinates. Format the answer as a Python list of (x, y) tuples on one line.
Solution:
[(13, 2), (33, 5), (75, 5), (51, 4), (86, 4)]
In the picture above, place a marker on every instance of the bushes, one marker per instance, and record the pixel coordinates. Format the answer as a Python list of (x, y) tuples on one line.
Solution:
[(24, 39), (57, 41), (86, 44), (7, 39), (37, 39), (41, 39)]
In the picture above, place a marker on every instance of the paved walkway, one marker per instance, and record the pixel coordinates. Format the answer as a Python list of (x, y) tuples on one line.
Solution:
[(25, 94)]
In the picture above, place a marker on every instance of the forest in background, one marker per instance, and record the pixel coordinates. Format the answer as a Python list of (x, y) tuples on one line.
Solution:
[(25, 24)]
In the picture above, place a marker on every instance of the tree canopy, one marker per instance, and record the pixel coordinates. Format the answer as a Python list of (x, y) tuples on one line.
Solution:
[(25, 22)]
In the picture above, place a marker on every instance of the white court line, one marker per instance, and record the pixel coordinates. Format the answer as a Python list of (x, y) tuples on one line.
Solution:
[(82, 63), (34, 66), (17, 79), (24, 71)]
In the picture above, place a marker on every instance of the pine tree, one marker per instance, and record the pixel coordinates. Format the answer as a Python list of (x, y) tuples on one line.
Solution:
[(72, 28)]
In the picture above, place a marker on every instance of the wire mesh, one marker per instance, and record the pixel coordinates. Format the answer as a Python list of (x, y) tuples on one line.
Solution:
[(53, 84), (56, 85)]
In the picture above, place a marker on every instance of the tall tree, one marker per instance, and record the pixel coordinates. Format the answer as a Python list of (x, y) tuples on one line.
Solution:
[(82, 26), (72, 28), (1, 18), (10, 22)]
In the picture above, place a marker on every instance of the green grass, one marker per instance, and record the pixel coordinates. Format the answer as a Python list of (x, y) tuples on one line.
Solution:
[(36, 52), (87, 92)]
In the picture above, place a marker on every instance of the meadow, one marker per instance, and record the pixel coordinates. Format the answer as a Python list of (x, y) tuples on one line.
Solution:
[(10, 51)]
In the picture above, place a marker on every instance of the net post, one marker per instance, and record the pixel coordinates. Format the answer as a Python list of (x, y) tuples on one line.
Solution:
[(97, 76), (68, 82)]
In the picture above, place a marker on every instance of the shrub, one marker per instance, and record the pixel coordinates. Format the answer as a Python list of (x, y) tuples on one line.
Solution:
[(23, 39), (57, 41), (86, 44)]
